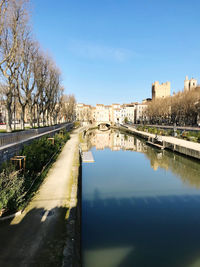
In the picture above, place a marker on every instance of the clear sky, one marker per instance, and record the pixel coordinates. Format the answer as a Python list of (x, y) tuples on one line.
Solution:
[(110, 51)]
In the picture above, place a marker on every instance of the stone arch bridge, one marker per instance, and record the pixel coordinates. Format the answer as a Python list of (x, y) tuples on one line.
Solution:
[(103, 125)]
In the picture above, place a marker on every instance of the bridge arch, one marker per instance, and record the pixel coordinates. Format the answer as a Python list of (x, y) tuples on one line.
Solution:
[(103, 125)]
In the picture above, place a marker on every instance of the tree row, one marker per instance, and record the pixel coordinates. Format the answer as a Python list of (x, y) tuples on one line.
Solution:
[(30, 79), (182, 109)]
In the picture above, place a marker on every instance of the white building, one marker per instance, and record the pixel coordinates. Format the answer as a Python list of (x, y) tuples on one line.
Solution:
[(140, 115), (102, 113), (115, 113), (128, 112)]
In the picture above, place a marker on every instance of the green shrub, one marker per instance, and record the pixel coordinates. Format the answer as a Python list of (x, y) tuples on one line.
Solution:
[(153, 130), (192, 138), (61, 138), (37, 154), (13, 184), (11, 193)]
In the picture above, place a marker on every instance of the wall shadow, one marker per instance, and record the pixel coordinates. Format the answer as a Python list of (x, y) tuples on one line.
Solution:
[(162, 231), (37, 240)]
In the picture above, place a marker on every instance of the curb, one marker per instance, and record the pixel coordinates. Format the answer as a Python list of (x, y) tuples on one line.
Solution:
[(11, 216)]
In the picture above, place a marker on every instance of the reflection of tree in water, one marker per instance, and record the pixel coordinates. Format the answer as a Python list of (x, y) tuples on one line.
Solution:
[(86, 142), (187, 169)]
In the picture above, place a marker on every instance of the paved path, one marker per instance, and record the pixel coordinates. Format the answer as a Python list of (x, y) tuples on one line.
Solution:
[(188, 145), (171, 139), (36, 237), (185, 128)]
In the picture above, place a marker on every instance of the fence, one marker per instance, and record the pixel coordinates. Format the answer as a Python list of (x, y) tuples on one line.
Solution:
[(9, 138), (10, 149)]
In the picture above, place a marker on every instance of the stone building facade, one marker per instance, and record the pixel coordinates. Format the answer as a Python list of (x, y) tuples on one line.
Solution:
[(189, 84), (114, 113), (140, 115), (160, 90)]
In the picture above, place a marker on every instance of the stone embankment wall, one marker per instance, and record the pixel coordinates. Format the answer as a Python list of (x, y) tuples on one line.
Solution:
[(9, 150), (194, 153), (184, 147)]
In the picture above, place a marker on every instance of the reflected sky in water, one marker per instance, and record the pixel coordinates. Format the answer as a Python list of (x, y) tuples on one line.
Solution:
[(140, 206)]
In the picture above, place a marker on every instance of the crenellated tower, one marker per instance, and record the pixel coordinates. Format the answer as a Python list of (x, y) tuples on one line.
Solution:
[(189, 84)]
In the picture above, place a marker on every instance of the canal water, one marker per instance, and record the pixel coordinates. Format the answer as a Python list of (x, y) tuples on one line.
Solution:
[(140, 206)]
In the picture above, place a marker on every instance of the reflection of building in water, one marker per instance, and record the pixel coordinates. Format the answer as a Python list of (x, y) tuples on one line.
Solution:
[(188, 170), (101, 140), (139, 146), (115, 141)]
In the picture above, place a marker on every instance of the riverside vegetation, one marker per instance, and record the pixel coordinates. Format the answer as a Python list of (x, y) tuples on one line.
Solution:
[(187, 135), (18, 186)]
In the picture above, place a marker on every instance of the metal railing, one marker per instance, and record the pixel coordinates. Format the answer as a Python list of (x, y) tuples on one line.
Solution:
[(9, 138)]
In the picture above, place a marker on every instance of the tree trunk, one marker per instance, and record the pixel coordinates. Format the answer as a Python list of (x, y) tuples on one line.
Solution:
[(38, 117), (50, 119), (14, 112), (43, 118), (47, 119), (31, 115), (56, 119), (8, 118), (34, 118), (22, 117)]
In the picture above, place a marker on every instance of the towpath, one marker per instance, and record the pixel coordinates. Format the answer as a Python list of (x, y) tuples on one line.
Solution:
[(36, 237), (185, 147)]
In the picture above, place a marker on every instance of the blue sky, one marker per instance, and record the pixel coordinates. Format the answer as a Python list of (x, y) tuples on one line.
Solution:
[(110, 51)]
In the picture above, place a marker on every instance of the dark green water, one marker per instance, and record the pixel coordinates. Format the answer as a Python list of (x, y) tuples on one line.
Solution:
[(140, 206)]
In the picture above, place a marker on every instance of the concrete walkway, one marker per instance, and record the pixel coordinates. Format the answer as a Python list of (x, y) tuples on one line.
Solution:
[(185, 147), (36, 237), (184, 128)]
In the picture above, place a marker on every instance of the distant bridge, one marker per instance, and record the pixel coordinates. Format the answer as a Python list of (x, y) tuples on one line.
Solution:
[(98, 123), (103, 125)]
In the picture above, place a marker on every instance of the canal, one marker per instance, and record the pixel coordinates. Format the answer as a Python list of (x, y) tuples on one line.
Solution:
[(140, 206)]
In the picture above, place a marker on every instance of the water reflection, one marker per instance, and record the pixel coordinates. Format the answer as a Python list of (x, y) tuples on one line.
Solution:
[(138, 209), (186, 169), (115, 140)]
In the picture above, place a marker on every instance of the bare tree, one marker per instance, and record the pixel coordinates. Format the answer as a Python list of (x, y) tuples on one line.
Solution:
[(52, 92), (26, 79), (41, 76), (30, 79), (68, 107), (182, 109), (13, 17)]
